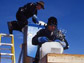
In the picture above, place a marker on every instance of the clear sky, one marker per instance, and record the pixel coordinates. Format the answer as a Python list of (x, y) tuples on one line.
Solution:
[(69, 13)]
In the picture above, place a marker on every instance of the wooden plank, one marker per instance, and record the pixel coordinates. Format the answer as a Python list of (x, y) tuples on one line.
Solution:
[(43, 60), (29, 59), (63, 58)]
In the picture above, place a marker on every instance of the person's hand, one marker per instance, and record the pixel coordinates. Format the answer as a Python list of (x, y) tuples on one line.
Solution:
[(42, 39), (67, 47), (35, 19), (63, 43)]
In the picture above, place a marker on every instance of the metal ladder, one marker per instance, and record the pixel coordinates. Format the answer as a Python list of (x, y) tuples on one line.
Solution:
[(12, 54)]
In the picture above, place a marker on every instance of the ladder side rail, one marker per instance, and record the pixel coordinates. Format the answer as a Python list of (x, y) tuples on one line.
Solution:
[(13, 49)]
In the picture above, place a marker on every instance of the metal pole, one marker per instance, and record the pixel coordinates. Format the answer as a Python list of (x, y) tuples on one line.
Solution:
[(24, 46), (0, 52), (0, 58)]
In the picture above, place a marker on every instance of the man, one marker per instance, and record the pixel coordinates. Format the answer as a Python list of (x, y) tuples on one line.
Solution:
[(24, 13), (50, 33)]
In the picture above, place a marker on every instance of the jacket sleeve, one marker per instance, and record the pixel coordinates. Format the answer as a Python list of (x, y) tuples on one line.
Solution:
[(30, 8), (34, 11), (35, 19), (67, 45), (35, 38), (62, 38)]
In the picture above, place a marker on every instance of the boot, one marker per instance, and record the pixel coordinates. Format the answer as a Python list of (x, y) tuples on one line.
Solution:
[(10, 27), (14, 25), (17, 26)]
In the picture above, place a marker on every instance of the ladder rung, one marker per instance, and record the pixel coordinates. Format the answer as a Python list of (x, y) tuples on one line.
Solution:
[(6, 54), (7, 44), (5, 58), (6, 35), (5, 49)]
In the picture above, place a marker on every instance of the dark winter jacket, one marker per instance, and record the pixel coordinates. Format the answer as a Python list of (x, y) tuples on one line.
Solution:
[(28, 10), (52, 36)]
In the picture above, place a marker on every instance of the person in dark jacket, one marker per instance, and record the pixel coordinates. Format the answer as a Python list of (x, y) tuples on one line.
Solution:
[(50, 33), (24, 13)]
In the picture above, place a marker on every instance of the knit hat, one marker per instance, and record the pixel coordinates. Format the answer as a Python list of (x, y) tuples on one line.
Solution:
[(52, 21)]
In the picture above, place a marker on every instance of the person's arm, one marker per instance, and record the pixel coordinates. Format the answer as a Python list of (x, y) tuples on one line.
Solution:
[(34, 13), (35, 38), (67, 45), (35, 19), (64, 43), (61, 37), (39, 38)]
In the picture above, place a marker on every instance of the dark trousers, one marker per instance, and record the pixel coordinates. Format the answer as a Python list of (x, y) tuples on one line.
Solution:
[(21, 21), (37, 57)]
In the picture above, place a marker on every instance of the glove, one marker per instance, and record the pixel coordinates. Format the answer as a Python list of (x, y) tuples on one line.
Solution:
[(66, 47), (42, 39), (63, 44), (35, 19)]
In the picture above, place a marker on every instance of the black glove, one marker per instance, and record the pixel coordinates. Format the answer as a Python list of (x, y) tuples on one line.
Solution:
[(67, 47)]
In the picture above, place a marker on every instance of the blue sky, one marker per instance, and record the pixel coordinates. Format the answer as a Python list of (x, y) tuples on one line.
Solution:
[(70, 15)]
